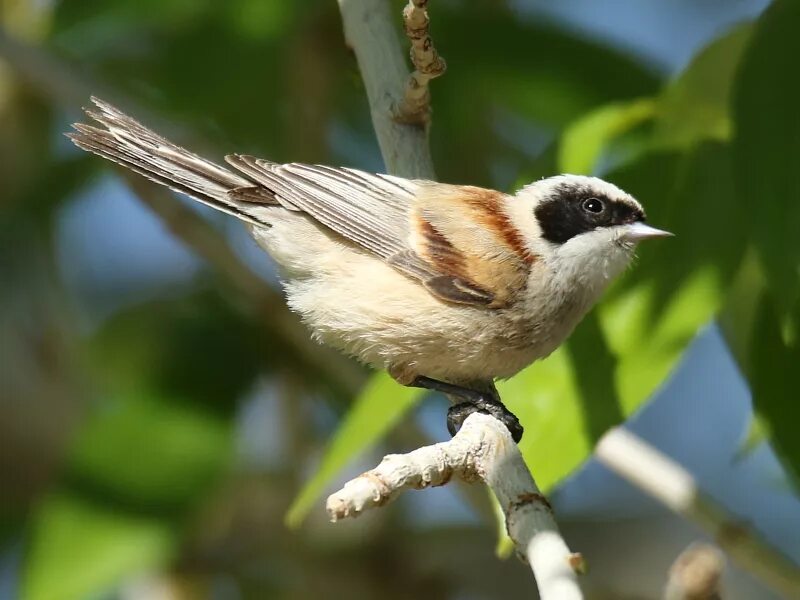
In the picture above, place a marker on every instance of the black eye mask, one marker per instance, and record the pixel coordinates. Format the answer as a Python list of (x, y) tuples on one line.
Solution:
[(566, 213)]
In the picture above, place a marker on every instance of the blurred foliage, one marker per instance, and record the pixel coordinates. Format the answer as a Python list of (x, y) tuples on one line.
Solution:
[(78, 547), (367, 421), (766, 150), (130, 426)]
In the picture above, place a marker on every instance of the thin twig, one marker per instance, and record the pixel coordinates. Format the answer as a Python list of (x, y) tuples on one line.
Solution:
[(482, 450), (415, 107), (665, 480), (369, 31)]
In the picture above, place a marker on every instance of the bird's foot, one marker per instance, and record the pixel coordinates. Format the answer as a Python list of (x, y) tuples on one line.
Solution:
[(457, 413), (487, 402)]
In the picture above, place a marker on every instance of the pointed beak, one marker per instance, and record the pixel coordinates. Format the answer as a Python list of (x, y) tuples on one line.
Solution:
[(638, 231)]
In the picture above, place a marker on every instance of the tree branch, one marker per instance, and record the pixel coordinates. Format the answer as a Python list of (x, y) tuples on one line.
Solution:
[(369, 32), (665, 480), (482, 450), (416, 105)]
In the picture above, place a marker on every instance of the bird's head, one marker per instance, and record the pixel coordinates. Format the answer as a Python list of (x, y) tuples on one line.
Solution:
[(584, 225)]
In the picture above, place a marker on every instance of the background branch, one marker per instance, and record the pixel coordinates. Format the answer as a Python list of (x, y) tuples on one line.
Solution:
[(665, 480), (57, 81)]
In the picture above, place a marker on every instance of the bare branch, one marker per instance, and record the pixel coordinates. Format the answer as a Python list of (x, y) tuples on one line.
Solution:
[(481, 451), (416, 105), (665, 480), (369, 32)]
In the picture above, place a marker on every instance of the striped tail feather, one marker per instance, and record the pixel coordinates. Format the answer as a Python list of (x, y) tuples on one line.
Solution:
[(125, 141)]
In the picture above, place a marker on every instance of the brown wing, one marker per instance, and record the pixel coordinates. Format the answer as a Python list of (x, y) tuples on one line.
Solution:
[(457, 241), (465, 233)]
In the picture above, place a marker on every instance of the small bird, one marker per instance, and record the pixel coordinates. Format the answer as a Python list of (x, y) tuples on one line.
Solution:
[(447, 287)]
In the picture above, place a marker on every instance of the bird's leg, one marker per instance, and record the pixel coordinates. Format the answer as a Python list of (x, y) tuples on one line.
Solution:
[(487, 402)]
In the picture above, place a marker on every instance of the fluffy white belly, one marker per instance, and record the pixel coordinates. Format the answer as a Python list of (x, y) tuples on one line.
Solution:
[(358, 304)]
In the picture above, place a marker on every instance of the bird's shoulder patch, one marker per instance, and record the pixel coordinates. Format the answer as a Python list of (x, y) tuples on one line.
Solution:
[(466, 237)]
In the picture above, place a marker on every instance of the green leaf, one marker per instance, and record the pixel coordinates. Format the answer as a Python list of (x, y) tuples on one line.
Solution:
[(695, 107), (151, 453), (767, 146), (583, 142), (625, 349), (529, 74), (382, 404), (759, 342), (757, 433), (738, 317), (78, 549), (195, 348), (547, 400), (775, 358)]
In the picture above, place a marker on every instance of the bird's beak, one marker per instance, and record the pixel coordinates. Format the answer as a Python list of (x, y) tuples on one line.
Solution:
[(638, 231)]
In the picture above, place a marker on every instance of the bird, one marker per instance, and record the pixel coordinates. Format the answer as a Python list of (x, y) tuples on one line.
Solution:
[(447, 287)]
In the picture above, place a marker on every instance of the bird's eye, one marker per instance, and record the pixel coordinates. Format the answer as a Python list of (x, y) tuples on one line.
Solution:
[(593, 205)]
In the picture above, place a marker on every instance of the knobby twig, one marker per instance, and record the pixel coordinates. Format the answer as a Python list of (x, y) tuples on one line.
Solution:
[(696, 574), (415, 107), (482, 450), (665, 480), (369, 32)]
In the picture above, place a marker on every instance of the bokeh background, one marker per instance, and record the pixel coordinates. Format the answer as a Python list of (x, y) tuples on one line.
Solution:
[(167, 430)]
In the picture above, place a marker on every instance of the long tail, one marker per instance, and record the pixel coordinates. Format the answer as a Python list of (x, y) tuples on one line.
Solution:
[(132, 145)]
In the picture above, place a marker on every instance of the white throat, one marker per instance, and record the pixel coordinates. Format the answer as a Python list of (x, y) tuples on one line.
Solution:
[(589, 262)]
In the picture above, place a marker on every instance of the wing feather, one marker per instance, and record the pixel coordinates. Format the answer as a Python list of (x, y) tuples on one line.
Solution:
[(454, 240), (370, 210)]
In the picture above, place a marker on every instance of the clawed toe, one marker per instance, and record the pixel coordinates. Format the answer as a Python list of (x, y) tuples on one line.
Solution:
[(475, 401), (457, 414)]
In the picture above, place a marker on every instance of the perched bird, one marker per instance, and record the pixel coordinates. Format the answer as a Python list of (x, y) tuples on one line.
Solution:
[(448, 287)]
